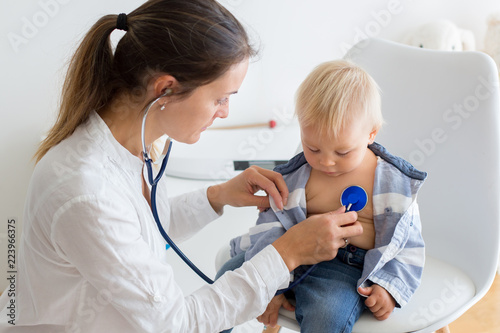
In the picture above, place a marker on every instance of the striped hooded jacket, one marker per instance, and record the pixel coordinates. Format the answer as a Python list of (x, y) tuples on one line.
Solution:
[(397, 260)]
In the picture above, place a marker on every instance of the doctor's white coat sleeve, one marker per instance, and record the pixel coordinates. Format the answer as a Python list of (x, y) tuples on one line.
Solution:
[(189, 213), (101, 239)]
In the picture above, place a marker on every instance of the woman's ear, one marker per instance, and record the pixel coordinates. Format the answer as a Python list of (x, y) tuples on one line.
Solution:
[(163, 83)]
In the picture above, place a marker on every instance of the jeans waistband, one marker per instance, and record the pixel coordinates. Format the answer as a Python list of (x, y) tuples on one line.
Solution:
[(352, 255)]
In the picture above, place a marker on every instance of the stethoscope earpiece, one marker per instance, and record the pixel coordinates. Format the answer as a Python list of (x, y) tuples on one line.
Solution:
[(167, 92)]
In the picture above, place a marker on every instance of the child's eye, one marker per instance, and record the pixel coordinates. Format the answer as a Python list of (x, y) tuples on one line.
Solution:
[(222, 101), (342, 154), (313, 150)]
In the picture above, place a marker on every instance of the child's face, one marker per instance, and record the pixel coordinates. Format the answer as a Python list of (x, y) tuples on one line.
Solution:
[(335, 156)]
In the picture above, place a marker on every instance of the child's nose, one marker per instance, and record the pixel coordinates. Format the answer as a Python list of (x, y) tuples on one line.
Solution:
[(327, 161)]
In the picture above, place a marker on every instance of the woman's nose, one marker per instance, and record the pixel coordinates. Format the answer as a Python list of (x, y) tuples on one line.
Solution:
[(222, 112)]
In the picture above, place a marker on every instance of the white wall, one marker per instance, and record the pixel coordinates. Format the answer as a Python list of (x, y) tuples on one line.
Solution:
[(38, 36)]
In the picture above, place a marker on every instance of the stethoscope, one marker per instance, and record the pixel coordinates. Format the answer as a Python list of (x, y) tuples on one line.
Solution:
[(354, 198), (154, 182)]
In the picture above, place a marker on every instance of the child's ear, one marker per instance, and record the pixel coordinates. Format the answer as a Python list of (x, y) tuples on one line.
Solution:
[(372, 136)]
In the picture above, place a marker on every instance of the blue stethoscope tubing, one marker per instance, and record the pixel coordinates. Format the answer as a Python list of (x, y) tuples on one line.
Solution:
[(154, 182), (353, 198)]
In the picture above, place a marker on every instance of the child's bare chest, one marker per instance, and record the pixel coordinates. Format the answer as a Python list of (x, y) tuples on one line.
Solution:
[(323, 195), (323, 192)]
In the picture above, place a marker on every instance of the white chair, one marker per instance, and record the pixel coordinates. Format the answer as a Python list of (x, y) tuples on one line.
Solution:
[(442, 114)]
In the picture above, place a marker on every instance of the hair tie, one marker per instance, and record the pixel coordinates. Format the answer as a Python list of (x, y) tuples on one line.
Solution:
[(121, 22)]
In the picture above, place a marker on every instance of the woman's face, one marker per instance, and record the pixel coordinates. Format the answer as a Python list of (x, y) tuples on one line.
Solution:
[(184, 120)]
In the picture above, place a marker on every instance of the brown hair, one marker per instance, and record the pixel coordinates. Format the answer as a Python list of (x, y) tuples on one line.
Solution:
[(195, 41)]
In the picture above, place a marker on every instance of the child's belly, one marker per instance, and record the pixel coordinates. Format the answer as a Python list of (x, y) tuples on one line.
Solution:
[(366, 240)]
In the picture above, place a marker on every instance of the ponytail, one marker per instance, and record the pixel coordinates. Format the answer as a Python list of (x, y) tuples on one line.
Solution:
[(86, 86), (195, 41)]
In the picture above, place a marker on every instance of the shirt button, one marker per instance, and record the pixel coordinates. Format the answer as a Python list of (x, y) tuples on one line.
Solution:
[(157, 298)]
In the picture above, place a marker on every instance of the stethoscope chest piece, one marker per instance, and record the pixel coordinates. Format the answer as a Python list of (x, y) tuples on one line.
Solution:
[(354, 198)]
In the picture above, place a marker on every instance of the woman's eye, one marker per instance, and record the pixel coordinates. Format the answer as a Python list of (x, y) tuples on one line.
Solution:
[(222, 101)]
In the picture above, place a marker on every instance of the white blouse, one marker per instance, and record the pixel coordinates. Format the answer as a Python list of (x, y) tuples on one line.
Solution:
[(92, 260)]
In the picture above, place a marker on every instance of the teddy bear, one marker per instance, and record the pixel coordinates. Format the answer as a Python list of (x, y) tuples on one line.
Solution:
[(492, 39), (441, 35)]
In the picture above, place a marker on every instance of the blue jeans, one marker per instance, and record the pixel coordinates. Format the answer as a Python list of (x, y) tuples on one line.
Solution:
[(327, 299)]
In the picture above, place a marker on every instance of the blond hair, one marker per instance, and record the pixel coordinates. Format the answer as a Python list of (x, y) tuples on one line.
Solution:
[(335, 93)]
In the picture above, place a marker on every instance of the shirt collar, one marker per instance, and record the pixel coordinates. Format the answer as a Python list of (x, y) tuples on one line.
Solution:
[(101, 134)]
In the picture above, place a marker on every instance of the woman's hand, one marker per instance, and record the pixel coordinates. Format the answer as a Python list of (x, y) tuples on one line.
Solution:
[(240, 191), (317, 238), (270, 316)]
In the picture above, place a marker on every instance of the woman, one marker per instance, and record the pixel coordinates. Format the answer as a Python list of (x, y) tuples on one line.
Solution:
[(91, 258)]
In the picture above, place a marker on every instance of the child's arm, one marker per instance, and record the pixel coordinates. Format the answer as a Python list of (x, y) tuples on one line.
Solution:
[(265, 232), (379, 301)]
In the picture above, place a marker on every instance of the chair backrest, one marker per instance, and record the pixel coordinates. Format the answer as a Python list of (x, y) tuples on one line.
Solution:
[(442, 114)]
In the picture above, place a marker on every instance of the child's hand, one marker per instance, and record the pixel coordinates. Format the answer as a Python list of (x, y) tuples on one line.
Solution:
[(379, 301), (270, 316)]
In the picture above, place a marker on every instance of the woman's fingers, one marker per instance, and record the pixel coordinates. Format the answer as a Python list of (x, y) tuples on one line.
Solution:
[(240, 191), (317, 238), (270, 182)]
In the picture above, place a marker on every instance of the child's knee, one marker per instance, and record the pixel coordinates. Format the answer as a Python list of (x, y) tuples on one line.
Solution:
[(331, 314)]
